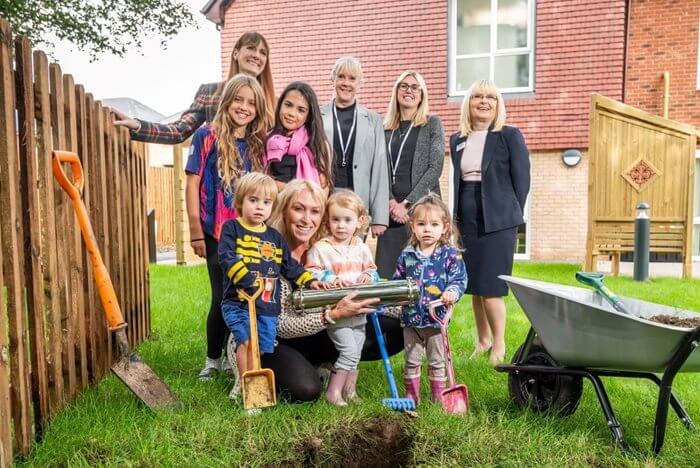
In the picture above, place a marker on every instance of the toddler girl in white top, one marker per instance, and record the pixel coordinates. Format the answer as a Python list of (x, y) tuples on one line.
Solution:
[(338, 260)]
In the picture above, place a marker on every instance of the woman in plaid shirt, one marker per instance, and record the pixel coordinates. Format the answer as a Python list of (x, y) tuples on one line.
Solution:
[(250, 56)]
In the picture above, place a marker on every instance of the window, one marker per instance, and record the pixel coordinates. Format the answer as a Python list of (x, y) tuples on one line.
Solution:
[(696, 209), (492, 39), (522, 239)]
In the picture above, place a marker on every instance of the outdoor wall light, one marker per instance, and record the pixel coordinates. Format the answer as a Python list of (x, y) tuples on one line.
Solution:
[(571, 157)]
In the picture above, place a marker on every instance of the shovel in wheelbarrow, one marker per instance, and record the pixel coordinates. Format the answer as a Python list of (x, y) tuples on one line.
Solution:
[(595, 280), (130, 369), (455, 398), (258, 384)]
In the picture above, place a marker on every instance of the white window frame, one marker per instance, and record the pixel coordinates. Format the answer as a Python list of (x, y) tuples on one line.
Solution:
[(452, 49), (696, 219), (528, 241)]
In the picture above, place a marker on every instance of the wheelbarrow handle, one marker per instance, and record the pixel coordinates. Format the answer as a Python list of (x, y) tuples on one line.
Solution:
[(75, 187)]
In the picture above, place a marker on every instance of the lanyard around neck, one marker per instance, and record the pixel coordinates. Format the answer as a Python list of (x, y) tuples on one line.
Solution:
[(395, 166), (344, 145)]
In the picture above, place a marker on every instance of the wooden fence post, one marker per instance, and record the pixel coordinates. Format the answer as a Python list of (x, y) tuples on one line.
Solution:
[(48, 222), (31, 215), (179, 202), (11, 223)]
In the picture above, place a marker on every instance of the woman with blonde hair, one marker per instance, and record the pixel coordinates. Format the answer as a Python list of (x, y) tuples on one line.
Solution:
[(220, 154), (303, 342), (491, 170), (250, 55), (357, 138), (415, 156)]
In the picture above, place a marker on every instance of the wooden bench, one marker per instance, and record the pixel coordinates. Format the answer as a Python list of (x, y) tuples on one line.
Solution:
[(612, 238)]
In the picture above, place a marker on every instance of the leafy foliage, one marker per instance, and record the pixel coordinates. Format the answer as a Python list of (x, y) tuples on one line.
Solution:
[(96, 26)]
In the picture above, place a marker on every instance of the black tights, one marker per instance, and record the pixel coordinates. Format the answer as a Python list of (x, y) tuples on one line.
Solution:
[(294, 361), (216, 327)]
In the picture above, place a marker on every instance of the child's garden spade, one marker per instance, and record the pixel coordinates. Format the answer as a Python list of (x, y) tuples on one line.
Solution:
[(258, 384), (130, 369), (455, 398)]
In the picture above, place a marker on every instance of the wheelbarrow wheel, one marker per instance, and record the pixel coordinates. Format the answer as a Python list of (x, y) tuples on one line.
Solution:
[(544, 393)]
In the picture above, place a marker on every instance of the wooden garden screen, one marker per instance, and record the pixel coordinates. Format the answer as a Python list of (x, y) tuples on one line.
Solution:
[(638, 157)]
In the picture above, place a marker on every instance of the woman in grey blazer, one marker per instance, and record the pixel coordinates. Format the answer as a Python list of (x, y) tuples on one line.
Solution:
[(415, 143), (359, 158)]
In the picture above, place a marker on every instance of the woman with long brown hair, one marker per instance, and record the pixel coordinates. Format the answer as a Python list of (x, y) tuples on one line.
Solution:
[(250, 56)]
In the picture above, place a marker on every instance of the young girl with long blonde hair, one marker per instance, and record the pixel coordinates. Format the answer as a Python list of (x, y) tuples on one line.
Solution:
[(220, 154)]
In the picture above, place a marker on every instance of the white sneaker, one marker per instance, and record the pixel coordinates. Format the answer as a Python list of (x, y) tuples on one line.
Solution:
[(231, 369), (226, 366), (211, 367)]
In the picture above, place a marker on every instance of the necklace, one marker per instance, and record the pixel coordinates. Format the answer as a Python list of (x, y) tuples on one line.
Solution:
[(344, 145), (395, 165)]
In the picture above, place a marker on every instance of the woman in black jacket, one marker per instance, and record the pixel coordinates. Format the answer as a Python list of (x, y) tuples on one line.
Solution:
[(491, 181)]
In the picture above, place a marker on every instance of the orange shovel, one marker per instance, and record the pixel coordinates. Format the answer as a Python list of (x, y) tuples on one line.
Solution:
[(258, 384), (130, 369)]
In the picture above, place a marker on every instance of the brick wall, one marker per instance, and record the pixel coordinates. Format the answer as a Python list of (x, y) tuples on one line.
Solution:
[(558, 208), (580, 50), (663, 36)]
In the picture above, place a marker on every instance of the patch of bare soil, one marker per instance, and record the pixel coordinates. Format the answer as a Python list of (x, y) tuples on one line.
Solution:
[(376, 442), (676, 321)]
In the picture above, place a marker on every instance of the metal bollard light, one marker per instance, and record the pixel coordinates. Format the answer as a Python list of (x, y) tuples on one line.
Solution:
[(642, 226)]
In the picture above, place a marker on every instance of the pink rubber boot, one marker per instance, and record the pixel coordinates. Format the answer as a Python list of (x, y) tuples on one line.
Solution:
[(412, 388), (334, 393), (436, 389), (349, 389)]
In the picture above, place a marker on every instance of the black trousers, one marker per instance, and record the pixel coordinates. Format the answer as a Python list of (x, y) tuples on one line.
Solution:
[(216, 328)]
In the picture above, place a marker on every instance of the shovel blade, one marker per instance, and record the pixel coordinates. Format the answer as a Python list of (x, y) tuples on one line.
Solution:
[(144, 383), (259, 389), (455, 400)]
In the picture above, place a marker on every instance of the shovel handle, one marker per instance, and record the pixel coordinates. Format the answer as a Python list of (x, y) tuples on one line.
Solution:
[(595, 280), (253, 317), (433, 305), (74, 188)]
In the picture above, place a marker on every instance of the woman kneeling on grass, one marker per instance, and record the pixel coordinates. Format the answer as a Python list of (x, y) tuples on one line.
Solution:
[(302, 341)]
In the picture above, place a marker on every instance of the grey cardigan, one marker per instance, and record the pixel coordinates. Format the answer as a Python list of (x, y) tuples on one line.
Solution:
[(428, 159), (369, 164)]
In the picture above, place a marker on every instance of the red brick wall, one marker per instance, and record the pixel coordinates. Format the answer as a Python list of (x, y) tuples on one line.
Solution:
[(663, 36), (580, 49)]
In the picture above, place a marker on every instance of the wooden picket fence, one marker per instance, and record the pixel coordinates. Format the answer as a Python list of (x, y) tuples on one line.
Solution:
[(53, 336), (161, 198)]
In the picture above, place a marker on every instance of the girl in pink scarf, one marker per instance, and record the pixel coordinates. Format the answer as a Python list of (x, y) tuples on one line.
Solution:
[(297, 147)]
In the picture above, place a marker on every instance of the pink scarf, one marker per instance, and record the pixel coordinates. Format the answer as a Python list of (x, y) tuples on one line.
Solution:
[(279, 145)]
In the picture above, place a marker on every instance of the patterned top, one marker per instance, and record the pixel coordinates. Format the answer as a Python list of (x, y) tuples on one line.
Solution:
[(202, 109), (247, 253), (443, 270), (215, 204)]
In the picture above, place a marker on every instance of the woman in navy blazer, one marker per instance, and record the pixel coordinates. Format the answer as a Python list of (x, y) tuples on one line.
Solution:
[(491, 180)]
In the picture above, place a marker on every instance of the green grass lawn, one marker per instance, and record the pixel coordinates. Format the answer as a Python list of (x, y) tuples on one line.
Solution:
[(107, 426)]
